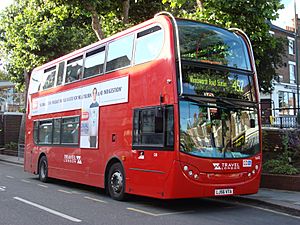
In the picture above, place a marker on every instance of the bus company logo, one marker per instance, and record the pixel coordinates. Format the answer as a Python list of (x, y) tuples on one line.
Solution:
[(226, 166), (217, 166), (247, 163), (84, 115), (73, 159)]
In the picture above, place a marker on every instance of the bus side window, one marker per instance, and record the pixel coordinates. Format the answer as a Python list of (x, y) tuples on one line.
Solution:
[(56, 130), (153, 127), (69, 130), (36, 132), (49, 76), (94, 62), (148, 44), (60, 73), (119, 53), (74, 69), (45, 132)]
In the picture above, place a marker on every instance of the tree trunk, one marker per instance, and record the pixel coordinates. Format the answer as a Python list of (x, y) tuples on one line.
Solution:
[(21, 140), (96, 22), (126, 5), (200, 4)]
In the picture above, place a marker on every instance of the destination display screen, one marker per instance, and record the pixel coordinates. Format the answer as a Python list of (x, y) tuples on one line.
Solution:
[(211, 82)]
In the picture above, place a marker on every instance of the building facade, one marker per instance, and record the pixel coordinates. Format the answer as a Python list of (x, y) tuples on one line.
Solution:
[(282, 102), (10, 99)]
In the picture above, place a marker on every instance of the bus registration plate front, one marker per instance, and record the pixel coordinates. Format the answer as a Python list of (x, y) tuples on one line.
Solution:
[(219, 192)]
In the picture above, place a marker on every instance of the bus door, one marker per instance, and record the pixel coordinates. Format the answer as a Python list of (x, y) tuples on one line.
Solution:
[(152, 152)]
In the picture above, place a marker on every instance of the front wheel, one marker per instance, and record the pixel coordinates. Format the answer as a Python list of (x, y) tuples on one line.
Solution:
[(116, 182), (43, 169)]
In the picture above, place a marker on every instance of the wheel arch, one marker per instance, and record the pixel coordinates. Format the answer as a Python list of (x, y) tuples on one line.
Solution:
[(112, 161), (39, 160)]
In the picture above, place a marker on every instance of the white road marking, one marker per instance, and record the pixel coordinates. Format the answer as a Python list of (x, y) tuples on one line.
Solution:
[(42, 185), (158, 214), (2, 188), (11, 177), (25, 181), (272, 211), (12, 164), (94, 199), (63, 191), (49, 210)]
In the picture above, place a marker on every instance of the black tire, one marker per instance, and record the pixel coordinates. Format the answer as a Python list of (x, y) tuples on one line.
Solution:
[(116, 182), (43, 169)]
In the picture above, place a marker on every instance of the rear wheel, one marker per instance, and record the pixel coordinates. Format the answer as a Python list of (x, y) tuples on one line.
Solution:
[(116, 182), (43, 169)]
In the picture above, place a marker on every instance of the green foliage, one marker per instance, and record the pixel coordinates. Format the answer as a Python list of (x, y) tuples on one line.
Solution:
[(3, 75), (282, 165), (33, 32), (111, 24), (251, 17), (279, 166), (11, 146)]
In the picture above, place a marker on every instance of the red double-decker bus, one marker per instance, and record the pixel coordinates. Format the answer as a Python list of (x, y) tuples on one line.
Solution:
[(167, 109)]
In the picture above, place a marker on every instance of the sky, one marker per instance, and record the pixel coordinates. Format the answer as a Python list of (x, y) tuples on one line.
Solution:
[(5, 3), (285, 17), (287, 14)]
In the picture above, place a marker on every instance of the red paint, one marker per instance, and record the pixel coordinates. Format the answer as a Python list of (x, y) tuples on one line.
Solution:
[(163, 175)]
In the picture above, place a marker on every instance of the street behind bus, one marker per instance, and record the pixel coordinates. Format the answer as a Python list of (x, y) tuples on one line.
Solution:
[(25, 200)]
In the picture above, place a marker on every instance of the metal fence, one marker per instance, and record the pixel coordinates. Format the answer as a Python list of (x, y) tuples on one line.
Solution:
[(281, 118)]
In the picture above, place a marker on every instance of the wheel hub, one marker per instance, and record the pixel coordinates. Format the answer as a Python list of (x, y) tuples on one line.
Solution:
[(116, 181)]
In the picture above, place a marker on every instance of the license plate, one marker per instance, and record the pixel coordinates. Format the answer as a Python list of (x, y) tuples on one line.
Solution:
[(228, 191)]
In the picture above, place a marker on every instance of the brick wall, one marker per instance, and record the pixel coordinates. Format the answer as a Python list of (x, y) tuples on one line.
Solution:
[(9, 128)]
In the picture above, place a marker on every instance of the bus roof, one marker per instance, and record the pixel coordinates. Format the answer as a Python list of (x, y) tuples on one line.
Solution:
[(103, 41)]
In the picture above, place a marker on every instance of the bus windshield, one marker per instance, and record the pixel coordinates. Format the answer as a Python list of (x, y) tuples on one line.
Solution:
[(210, 44), (218, 129)]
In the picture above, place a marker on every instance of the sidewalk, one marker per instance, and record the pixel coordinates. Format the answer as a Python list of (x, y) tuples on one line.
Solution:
[(12, 159), (288, 201)]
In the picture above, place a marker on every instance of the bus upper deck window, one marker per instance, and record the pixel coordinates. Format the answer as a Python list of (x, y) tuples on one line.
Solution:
[(94, 62), (119, 53), (49, 76), (74, 69), (60, 73), (149, 44)]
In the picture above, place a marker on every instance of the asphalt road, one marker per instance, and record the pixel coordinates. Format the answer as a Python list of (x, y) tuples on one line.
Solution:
[(24, 200)]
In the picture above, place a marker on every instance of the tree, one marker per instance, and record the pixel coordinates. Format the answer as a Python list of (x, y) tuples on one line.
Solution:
[(251, 17), (3, 75), (100, 12), (34, 31)]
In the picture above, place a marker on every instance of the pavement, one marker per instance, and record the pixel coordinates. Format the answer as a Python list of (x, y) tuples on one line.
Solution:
[(283, 200)]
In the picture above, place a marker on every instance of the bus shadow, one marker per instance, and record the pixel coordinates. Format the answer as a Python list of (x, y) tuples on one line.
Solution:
[(153, 205), (199, 205)]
